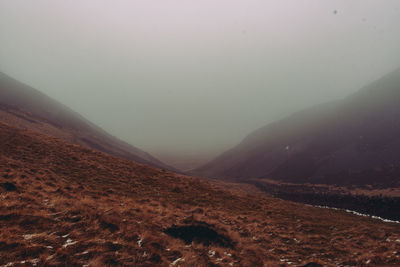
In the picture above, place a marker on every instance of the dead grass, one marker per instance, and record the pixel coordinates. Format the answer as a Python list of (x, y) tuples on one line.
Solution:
[(75, 206)]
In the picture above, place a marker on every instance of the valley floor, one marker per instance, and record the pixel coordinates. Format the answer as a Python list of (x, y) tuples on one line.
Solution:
[(383, 202)]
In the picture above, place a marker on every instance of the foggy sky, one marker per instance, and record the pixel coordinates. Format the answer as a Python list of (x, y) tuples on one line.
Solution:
[(191, 77)]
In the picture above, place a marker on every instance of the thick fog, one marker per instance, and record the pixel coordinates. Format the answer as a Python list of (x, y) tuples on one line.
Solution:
[(187, 79)]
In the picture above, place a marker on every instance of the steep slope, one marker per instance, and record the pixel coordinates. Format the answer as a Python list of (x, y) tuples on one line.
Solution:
[(62, 204), (351, 141), (27, 108)]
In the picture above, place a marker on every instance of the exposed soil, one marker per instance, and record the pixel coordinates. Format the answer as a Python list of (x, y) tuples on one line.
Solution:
[(200, 232), (9, 186)]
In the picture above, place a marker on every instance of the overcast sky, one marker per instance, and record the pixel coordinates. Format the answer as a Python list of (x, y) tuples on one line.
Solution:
[(184, 77)]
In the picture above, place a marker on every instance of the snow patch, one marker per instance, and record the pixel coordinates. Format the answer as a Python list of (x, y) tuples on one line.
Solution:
[(140, 241), (50, 257), (358, 214), (34, 262), (82, 253), (176, 261), (29, 236), (69, 242)]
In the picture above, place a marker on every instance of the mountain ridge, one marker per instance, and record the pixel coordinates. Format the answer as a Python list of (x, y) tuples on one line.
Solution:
[(27, 107), (321, 143)]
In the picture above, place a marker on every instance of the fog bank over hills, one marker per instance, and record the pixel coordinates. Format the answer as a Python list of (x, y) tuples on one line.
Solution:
[(115, 115), (27, 108), (185, 81), (350, 141)]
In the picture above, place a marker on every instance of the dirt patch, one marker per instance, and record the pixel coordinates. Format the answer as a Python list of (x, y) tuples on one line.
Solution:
[(109, 226), (312, 264), (200, 233), (9, 246), (9, 186)]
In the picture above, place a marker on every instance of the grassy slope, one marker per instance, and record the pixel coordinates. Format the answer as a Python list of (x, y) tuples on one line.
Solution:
[(28, 108), (78, 206)]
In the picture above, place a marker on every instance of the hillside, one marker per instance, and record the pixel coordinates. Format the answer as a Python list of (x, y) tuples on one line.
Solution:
[(353, 141), (66, 204), (27, 108)]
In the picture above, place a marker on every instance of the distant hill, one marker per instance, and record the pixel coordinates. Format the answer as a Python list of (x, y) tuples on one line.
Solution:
[(27, 108), (355, 140)]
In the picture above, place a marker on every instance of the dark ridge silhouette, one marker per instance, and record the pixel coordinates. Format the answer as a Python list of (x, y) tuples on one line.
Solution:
[(353, 141), (27, 108)]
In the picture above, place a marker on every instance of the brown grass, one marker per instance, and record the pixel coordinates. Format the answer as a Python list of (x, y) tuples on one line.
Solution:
[(74, 206)]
